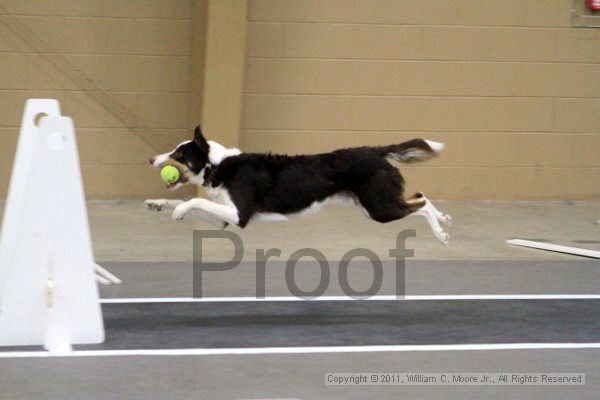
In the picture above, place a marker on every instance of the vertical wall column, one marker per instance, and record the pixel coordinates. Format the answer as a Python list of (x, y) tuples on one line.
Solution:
[(217, 68)]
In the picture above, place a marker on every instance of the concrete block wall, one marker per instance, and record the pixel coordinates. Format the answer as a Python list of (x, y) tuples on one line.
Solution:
[(137, 51), (509, 85)]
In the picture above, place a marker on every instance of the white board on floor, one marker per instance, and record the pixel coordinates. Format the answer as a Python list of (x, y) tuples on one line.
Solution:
[(576, 251), (48, 292)]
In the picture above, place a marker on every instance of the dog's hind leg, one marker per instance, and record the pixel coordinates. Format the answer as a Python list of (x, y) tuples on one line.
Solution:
[(432, 215), (381, 196), (381, 207), (443, 218), (434, 224), (386, 212)]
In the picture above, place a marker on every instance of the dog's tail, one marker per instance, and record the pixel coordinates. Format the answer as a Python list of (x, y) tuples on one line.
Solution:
[(413, 150)]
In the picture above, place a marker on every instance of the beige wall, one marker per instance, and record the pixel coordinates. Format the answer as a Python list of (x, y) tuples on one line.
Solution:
[(510, 87), (170, 64), (137, 51)]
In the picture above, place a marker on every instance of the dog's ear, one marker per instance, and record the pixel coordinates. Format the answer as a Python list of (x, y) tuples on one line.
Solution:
[(199, 139)]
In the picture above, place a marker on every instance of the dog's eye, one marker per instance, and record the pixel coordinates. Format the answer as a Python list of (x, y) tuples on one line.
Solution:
[(176, 155)]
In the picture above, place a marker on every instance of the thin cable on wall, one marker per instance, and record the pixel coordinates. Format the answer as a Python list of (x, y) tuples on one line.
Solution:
[(129, 119)]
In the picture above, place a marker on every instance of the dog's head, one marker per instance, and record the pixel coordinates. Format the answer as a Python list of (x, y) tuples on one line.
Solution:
[(191, 158), (194, 159)]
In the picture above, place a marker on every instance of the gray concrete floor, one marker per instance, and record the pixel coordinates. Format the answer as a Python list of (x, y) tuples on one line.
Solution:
[(299, 376), (422, 277), (125, 231), (152, 254)]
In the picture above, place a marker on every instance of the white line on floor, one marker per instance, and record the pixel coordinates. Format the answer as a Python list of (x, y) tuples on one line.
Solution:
[(302, 350), (347, 298)]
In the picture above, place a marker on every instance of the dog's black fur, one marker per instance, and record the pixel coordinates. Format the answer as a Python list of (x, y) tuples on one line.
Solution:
[(268, 183)]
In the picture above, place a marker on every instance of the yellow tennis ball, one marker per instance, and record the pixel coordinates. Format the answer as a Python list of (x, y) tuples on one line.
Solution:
[(169, 174)]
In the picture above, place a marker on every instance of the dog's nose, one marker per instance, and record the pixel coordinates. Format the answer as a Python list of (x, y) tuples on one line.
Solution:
[(151, 160)]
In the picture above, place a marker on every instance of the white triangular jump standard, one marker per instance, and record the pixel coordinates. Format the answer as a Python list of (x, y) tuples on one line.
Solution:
[(48, 290)]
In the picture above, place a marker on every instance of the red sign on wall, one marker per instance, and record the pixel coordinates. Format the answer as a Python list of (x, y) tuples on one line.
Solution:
[(593, 5)]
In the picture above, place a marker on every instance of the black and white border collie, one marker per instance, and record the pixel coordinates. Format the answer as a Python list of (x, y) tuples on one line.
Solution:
[(269, 187)]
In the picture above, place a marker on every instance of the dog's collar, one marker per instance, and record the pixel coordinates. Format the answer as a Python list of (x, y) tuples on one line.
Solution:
[(209, 173)]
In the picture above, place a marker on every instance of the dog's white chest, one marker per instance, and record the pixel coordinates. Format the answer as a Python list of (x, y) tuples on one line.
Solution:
[(219, 195)]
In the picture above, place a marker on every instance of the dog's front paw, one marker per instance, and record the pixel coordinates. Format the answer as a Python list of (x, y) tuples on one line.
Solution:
[(180, 212), (155, 204), (443, 237)]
